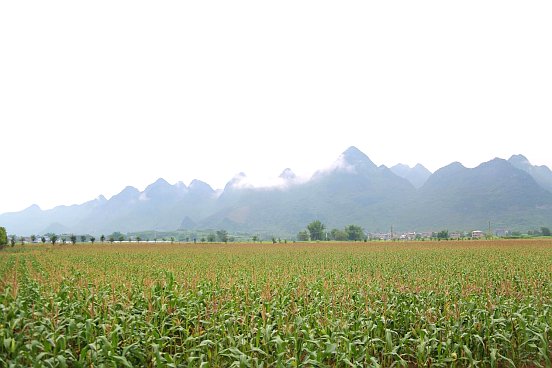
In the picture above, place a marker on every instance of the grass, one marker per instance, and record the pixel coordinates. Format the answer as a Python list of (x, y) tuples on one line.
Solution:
[(474, 303)]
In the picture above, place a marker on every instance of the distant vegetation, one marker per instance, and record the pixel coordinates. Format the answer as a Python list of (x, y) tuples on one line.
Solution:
[(3, 237), (314, 231)]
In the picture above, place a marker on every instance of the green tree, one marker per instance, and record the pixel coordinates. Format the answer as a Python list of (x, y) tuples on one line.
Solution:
[(545, 231), (255, 238), (303, 235), (222, 236), (211, 237), (22, 240), (92, 240), (102, 238), (33, 238), (83, 238), (138, 239), (111, 239), (338, 235), (73, 239), (316, 230), (443, 234), (53, 238), (43, 239), (354, 233), (117, 236), (3, 237), (12, 240)]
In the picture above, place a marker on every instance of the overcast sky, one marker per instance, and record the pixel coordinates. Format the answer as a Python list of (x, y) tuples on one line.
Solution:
[(98, 95)]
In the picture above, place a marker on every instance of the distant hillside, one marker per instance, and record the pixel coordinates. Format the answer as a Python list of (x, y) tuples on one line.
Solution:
[(459, 198), (416, 175), (541, 174), (353, 190)]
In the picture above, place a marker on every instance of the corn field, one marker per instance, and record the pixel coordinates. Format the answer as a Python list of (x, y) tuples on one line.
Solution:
[(440, 304)]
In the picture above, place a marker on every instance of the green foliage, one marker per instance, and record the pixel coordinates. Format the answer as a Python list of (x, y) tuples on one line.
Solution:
[(354, 233), (443, 234), (545, 231), (222, 236), (116, 236), (53, 238), (338, 235), (345, 305), (3, 237), (316, 230), (211, 238), (73, 239), (350, 232), (303, 236)]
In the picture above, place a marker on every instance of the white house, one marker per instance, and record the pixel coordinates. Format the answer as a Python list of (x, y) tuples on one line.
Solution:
[(477, 234)]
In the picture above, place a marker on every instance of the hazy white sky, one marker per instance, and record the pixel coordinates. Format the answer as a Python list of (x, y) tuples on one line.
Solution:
[(98, 95)]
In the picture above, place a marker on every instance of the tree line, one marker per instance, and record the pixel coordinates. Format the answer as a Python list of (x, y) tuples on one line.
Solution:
[(316, 231), (219, 235)]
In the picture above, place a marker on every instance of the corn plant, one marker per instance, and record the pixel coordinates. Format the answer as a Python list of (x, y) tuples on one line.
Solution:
[(487, 304)]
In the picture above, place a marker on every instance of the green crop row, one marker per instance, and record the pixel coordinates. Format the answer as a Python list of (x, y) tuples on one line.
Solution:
[(320, 305)]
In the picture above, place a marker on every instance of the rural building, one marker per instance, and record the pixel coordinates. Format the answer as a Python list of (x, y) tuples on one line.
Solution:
[(411, 235), (455, 235), (477, 234)]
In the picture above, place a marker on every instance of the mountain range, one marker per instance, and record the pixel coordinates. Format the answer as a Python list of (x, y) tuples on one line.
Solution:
[(509, 193)]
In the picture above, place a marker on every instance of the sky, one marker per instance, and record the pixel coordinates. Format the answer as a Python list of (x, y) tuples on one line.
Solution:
[(95, 96)]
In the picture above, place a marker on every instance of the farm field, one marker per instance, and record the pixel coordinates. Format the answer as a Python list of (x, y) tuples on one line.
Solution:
[(450, 303)]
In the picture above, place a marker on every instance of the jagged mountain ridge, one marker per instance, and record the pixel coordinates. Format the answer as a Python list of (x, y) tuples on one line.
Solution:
[(542, 174), (352, 190), (494, 191), (416, 175)]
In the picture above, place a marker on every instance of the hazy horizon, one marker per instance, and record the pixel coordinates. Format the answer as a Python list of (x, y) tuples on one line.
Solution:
[(243, 179), (95, 97)]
